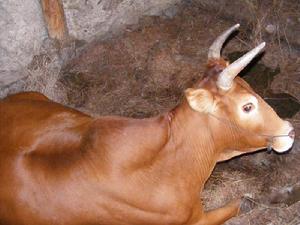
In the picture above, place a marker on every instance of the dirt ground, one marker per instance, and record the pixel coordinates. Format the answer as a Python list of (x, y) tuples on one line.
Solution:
[(143, 72)]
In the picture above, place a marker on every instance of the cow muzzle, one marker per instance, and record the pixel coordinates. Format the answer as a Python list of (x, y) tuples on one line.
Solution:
[(282, 143)]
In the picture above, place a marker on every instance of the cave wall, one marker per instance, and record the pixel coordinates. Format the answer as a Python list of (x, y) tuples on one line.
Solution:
[(88, 18), (23, 31), (21, 34), (270, 19)]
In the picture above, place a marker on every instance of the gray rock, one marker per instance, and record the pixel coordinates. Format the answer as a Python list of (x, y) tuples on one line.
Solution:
[(88, 18), (21, 33), (270, 28), (22, 28)]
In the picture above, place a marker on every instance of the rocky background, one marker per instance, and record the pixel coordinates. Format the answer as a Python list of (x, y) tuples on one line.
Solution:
[(23, 32)]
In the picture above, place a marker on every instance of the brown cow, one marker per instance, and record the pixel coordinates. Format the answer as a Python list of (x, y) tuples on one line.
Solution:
[(59, 166)]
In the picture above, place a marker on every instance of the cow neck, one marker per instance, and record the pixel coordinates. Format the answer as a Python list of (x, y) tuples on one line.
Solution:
[(192, 141)]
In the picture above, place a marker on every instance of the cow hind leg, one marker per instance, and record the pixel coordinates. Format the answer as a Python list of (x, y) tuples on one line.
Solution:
[(220, 215)]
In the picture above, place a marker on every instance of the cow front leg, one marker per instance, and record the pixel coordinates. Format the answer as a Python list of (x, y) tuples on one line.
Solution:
[(220, 215)]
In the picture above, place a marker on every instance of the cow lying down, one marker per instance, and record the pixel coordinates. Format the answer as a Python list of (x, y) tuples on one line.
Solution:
[(59, 166)]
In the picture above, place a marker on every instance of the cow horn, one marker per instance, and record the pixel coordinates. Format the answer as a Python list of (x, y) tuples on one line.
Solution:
[(229, 73), (214, 51)]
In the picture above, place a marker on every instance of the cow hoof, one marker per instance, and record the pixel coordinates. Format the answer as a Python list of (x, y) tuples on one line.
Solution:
[(247, 205)]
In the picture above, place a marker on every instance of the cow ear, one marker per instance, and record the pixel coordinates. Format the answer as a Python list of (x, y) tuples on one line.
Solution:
[(200, 100)]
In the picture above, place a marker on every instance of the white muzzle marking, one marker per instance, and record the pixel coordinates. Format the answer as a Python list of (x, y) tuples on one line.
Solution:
[(284, 143)]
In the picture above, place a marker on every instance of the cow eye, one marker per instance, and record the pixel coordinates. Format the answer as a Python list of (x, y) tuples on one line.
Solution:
[(248, 107)]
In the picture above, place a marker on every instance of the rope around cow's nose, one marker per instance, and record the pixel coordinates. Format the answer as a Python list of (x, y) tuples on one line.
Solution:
[(270, 138)]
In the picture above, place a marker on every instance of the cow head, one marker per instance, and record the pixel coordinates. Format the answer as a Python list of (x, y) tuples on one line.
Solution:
[(244, 120)]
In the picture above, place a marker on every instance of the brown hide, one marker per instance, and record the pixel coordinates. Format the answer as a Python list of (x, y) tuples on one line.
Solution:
[(59, 166)]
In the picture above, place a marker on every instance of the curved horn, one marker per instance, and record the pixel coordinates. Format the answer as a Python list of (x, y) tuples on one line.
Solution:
[(229, 73), (214, 51)]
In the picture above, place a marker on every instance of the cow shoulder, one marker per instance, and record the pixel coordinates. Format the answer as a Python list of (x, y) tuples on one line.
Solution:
[(31, 95)]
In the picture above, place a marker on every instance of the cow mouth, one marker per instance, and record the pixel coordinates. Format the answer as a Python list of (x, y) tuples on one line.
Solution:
[(283, 143)]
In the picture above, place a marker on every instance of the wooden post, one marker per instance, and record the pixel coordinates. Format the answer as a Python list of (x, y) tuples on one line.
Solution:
[(55, 19)]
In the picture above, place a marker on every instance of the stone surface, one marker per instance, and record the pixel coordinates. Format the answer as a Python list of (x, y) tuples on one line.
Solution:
[(88, 18), (282, 15), (22, 28), (21, 34), (270, 28)]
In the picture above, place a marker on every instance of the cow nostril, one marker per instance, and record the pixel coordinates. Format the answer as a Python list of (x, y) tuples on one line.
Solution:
[(292, 134)]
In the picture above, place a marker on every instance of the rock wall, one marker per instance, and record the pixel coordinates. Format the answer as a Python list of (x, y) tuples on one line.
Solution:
[(277, 20), (21, 34), (88, 18), (22, 28)]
